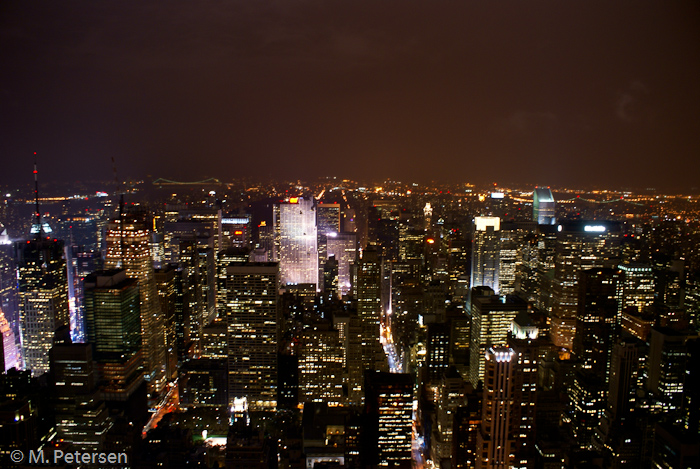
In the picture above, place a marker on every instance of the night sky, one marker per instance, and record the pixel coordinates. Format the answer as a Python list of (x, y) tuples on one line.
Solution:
[(558, 93)]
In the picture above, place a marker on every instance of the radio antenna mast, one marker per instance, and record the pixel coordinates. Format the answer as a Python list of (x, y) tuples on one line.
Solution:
[(36, 200)]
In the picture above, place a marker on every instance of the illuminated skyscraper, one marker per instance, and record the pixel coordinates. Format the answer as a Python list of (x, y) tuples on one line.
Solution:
[(327, 226), (81, 416), (369, 307), (637, 287), (523, 340), (598, 319), (492, 316), (543, 206), (128, 247), (321, 365), (580, 245), (496, 440), (43, 295), (295, 223), (389, 406), (486, 252), (344, 247), (113, 329), (252, 318), (10, 354)]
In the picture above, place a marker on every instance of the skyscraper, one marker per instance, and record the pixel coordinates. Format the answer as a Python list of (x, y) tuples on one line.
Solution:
[(295, 223), (492, 316), (344, 247), (496, 439), (369, 307), (43, 299), (543, 206), (327, 226), (486, 252), (252, 318), (580, 245), (81, 417), (321, 365), (638, 286), (389, 406), (113, 329), (128, 247)]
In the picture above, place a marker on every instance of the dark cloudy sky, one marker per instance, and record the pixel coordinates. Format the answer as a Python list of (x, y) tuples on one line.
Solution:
[(561, 92)]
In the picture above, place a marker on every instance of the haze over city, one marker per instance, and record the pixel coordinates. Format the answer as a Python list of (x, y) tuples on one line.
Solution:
[(596, 94)]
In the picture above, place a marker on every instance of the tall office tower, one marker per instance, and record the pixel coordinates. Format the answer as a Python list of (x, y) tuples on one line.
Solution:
[(514, 236), (327, 226), (295, 223), (235, 232), (492, 316), (668, 352), (383, 227), (496, 439), (597, 329), (9, 296), (546, 240), (597, 319), (113, 328), (10, 354), (166, 283), (437, 358), (253, 322), (128, 248), (43, 299), (580, 246), (224, 258), (82, 419), (198, 271), (523, 340), (452, 394), (486, 246), (389, 407), (411, 242), (349, 326), (587, 396), (691, 396), (637, 287), (344, 247), (618, 432), (465, 430), (543, 206), (330, 277), (369, 307), (321, 365)]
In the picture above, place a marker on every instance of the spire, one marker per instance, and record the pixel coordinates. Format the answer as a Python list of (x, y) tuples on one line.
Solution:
[(36, 199)]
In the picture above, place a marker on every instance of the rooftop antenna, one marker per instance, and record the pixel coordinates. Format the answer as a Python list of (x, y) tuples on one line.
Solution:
[(121, 214), (36, 199)]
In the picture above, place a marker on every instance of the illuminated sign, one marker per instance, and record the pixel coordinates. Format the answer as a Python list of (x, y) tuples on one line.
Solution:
[(430, 241), (234, 221), (497, 195), (294, 200), (238, 232), (594, 228)]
